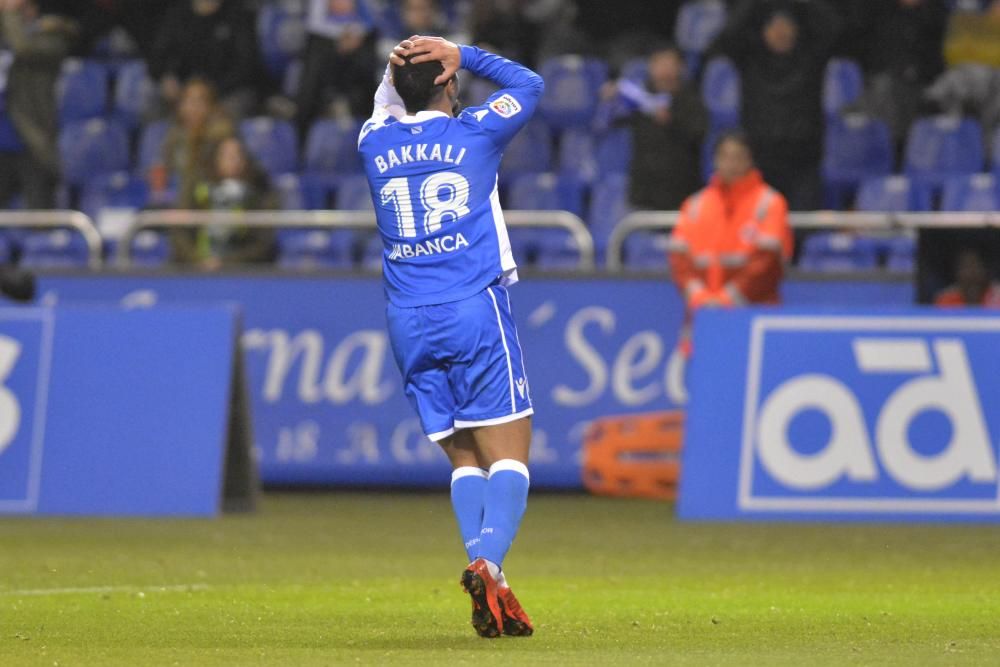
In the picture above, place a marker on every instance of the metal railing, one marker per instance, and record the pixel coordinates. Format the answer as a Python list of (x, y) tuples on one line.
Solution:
[(59, 219), (168, 219), (644, 221)]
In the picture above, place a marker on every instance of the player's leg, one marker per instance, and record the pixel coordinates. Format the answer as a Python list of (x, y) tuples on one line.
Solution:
[(468, 487)]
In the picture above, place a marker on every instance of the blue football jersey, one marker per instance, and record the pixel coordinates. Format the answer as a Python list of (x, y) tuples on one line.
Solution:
[(433, 179)]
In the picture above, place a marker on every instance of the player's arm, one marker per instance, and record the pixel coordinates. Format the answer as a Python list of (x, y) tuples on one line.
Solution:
[(388, 103), (765, 266), (507, 110)]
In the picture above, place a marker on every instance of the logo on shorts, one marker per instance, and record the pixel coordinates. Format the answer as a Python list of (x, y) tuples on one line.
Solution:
[(506, 106), (522, 386)]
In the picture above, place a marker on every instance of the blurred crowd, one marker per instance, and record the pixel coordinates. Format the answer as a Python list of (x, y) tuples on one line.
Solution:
[(214, 63)]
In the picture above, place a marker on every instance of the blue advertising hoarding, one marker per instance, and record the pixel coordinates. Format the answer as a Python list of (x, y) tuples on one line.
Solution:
[(110, 411), (327, 402), (853, 415)]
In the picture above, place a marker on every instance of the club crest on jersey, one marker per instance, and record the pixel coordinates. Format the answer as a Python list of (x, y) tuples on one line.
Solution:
[(506, 106)]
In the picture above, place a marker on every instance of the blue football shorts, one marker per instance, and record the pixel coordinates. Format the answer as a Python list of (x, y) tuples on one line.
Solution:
[(461, 362)]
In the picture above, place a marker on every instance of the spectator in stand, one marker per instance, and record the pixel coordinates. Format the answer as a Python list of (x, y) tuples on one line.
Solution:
[(668, 123), (901, 53), (199, 126), (29, 121), (972, 287), (781, 48), (974, 38), (417, 17), (732, 239), (214, 40), (502, 27), (339, 60), (235, 183)]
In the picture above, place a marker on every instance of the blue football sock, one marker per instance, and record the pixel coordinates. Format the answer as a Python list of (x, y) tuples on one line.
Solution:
[(468, 493), (506, 500)]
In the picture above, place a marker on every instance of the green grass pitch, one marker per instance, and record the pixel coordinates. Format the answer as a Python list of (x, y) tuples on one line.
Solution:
[(347, 578)]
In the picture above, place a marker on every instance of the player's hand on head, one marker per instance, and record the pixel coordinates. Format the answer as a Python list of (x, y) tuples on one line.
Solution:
[(426, 49), (399, 52)]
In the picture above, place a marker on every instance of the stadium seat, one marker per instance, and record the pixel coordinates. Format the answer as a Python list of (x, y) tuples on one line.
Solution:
[(577, 155), (151, 145), (547, 192), (289, 189), (901, 254), (91, 149), (6, 249), (272, 142), (134, 93), (150, 249), (331, 151), (698, 23), (646, 251), (608, 205), (116, 190), (58, 249), (354, 194), (893, 193), (530, 151), (313, 249), (721, 92), (281, 35), (976, 193), (839, 252), (614, 151), (943, 147), (995, 151), (857, 147), (843, 85), (572, 86), (82, 90)]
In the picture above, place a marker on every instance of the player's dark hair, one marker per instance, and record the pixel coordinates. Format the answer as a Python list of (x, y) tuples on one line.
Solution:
[(736, 136), (415, 83)]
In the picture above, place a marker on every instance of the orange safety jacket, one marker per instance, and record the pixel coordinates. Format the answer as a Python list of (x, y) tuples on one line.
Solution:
[(730, 244)]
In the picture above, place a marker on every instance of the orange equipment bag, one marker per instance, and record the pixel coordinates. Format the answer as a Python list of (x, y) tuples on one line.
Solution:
[(635, 455)]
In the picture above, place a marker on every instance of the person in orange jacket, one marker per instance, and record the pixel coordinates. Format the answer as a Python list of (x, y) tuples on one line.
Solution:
[(732, 238)]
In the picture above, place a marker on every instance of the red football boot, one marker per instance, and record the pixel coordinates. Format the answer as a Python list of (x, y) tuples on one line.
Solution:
[(477, 581), (515, 622)]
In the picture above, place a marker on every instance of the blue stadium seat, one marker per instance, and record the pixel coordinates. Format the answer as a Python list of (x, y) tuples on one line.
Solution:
[(839, 252), (91, 149), (289, 189), (151, 145), (893, 193), (698, 23), (722, 92), (530, 151), (943, 147), (354, 194), (572, 85), (281, 35), (995, 151), (608, 205), (58, 249), (313, 249), (82, 90), (547, 192), (332, 147), (577, 155), (614, 151), (857, 147), (843, 85), (273, 143), (976, 193), (116, 190), (6, 249), (551, 248), (646, 251), (150, 249), (134, 92), (901, 254)]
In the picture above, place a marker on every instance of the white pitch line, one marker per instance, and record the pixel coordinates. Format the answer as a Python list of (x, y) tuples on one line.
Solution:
[(103, 589)]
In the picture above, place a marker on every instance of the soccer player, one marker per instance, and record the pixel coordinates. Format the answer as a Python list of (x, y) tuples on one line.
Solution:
[(446, 267)]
